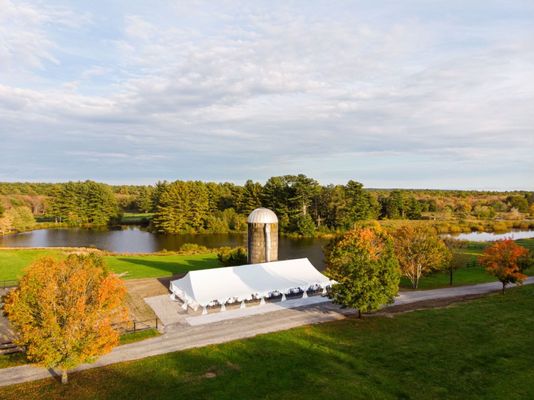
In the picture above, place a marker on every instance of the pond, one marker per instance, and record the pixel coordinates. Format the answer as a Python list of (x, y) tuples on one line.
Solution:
[(132, 239), (491, 236)]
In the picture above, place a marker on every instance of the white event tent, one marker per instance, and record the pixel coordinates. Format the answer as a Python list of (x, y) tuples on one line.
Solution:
[(220, 286)]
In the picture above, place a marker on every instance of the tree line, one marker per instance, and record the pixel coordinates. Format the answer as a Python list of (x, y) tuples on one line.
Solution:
[(304, 207)]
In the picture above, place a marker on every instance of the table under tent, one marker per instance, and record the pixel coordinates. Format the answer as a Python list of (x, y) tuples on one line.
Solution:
[(228, 285)]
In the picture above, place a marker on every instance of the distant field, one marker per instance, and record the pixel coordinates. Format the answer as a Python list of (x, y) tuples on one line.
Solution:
[(475, 350), (136, 218), (13, 262)]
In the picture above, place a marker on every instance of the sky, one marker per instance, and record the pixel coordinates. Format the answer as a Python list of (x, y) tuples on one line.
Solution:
[(393, 94)]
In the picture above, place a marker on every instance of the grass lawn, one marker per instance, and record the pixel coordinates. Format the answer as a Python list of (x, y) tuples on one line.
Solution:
[(474, 350), (13, 262), (136, 218), (138, 336), (528, 243), (468, 272), (154, 266), (12, 360)]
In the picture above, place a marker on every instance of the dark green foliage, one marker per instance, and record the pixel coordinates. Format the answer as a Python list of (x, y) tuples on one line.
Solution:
[(393, 206), (232, 257), (398, 205), (144, 202), (304, 225), (520, 203), (332, 208), (183, 207), (360, 205), (250, 198), (84, 203), (364, 265)]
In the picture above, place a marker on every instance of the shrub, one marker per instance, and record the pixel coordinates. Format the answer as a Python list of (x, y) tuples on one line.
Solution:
[(193, 248), (232, 257)]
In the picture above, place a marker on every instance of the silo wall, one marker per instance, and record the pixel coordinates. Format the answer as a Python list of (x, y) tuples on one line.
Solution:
[(259, 236)]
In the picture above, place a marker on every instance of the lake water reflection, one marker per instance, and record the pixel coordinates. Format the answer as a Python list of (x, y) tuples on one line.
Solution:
[(491, 236), (135, 240)]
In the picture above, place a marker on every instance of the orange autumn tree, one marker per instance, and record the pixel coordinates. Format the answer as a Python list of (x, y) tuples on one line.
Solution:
[(62, 311), (502, 259)]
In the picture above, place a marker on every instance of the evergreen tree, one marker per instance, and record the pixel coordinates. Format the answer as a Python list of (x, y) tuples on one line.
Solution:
[(80, 203), (183, 207), (250, 197)]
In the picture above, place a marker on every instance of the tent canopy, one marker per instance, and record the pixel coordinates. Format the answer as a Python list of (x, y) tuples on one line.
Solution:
[(229, 284)]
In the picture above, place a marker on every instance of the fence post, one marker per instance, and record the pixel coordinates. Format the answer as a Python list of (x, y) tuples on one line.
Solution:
[(134, 326), (156, 324)]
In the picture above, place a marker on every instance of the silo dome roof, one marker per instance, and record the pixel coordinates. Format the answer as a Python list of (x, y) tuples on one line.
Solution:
[(262, 216)]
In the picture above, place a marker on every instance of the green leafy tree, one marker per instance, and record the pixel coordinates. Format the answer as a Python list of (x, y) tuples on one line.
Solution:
[(359, 204), (251, 196), (305, 225), (420, 251), (275, 196), (332, 206), (144, 200), (393, 206), (520, 203), (364, 265)]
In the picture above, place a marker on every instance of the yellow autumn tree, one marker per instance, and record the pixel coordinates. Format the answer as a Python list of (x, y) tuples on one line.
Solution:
[(63, 311)]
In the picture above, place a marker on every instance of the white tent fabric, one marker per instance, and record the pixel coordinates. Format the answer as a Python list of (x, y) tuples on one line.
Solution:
[(232, 284)]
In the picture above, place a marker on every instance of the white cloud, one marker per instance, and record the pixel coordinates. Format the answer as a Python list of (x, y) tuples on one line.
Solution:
[(340, 94)]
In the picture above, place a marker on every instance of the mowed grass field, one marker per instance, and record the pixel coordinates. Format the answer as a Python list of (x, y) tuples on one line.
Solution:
[(13, 262), (475, 350)]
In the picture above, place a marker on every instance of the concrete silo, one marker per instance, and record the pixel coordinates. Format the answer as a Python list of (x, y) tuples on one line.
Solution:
[(262, 236)]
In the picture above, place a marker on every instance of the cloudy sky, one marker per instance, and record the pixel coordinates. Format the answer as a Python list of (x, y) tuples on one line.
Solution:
[(421, 94)]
